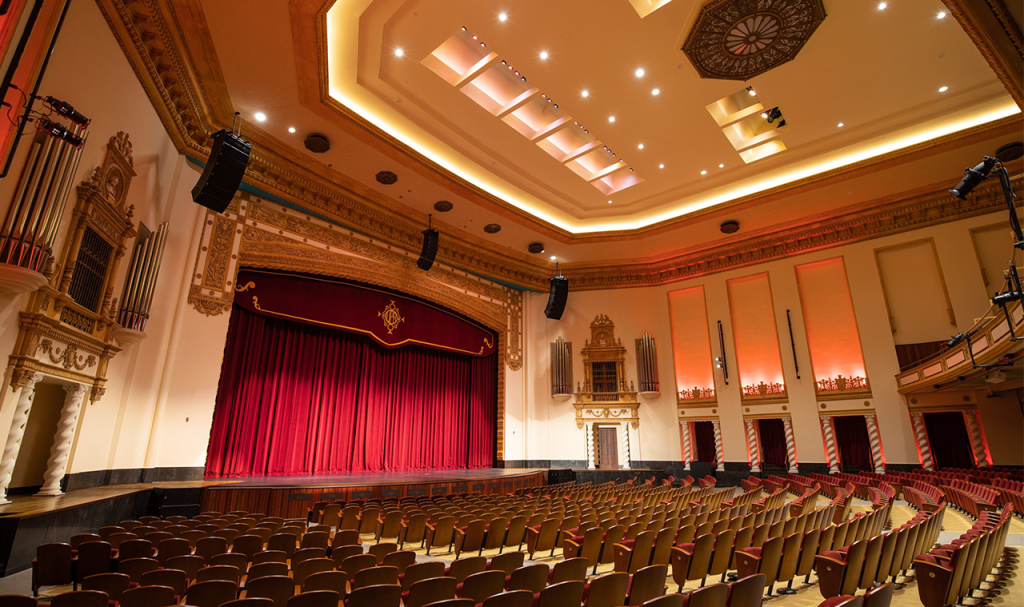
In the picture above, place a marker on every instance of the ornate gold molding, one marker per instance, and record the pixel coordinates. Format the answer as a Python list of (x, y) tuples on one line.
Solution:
[(254, 232), (169, 47), (864, 222), (994, 31)]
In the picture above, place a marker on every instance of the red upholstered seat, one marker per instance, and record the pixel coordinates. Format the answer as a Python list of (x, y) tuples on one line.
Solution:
[(831, 602)]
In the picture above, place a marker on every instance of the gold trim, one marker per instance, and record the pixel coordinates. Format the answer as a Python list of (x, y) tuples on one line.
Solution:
[(255, 303)]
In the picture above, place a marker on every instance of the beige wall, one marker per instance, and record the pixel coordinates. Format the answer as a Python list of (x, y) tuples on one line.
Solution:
[(552, 430), (160, 394), (89, 70)]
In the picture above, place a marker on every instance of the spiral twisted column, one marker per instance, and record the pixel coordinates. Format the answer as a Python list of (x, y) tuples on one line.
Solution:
[(977, 440), (588, 429), (719, 447), (830, 444), (921, 435), (57, 465), (876, 443), (790, 444), (685, 427), (16, 433), (755, 452)]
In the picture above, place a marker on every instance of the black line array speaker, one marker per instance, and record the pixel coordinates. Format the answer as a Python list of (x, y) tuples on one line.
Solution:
[(430, 240), (223, 174), (558, 295)]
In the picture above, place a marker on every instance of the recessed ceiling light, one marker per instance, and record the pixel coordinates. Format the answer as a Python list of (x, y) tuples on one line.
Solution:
[(640, 147), (609, 202), (721, 166), (941, 15), (840, 125), (611, 119), (882, 5), (291, 129), (752, 92), (552, 258), (399, 52), (585, 93), (503, 17), (639, 72), (703, 172), (260, 116), (661, 166), (656, 92), (943, 89), (543, 54)]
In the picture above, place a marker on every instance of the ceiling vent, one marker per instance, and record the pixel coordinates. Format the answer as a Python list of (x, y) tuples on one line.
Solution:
[(1010, 151), (317, 143), (535, 247), (729, 227)]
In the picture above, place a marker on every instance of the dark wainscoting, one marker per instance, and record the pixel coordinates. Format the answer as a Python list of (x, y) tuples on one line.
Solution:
[(20, 535), (129, 476)]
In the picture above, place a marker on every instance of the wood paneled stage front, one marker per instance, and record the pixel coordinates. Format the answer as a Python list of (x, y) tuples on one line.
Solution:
[(292, 496)]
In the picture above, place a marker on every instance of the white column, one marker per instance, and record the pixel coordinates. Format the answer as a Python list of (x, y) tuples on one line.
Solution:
[(57, 465), (876, 443), (830, 444), (921, 434), (977, 441), (624, 456), (719, 447), (790, 444), (588, 428), (755, 452), (685, 428), (16, 433)]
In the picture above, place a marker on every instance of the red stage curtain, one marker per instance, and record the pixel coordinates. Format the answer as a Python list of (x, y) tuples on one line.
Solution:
[(704, 436), (773, 442), (296, 399), (854, 443), (947, 436)]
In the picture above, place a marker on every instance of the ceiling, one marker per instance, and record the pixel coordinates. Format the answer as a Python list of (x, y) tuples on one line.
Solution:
[(878, 72)]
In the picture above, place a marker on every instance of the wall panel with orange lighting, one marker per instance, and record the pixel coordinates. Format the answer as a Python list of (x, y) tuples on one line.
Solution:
[(756, 340), (691, 347), (832, 335)]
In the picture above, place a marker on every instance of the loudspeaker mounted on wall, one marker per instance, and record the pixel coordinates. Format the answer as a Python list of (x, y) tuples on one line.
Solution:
[(558, 295), (229, 158), (430, 241)]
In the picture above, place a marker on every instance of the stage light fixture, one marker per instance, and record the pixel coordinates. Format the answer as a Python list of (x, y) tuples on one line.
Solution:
[(955, 340), (974, 176), (750, 90), (66, 110), (772, 115), (58, 131)]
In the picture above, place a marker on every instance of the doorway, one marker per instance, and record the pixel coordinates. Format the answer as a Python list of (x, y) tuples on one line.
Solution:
[(27, 476), (607, 447)]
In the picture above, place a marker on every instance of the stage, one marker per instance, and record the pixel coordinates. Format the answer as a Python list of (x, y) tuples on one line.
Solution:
[(30, 521), (292, 496)]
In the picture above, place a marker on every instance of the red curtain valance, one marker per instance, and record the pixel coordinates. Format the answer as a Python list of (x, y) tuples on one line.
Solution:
[(389, 319)]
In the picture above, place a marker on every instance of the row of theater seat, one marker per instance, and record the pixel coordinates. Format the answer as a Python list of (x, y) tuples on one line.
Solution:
[(949, 573)]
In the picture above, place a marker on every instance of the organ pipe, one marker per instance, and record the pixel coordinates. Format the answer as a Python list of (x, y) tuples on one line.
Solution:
[(140, 283), (39, 202), (647, 364), (561, 367)]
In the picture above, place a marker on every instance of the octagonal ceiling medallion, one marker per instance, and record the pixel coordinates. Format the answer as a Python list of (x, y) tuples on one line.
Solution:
[(739, 39)]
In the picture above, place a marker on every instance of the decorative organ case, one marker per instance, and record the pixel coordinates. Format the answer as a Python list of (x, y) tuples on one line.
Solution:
[(604, 395), (68, 329)]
